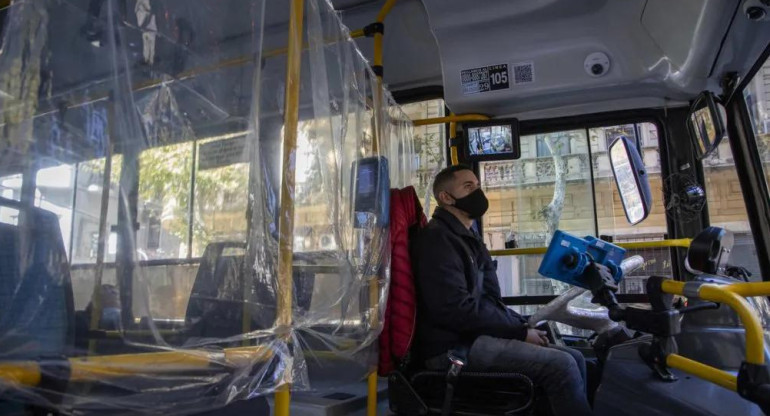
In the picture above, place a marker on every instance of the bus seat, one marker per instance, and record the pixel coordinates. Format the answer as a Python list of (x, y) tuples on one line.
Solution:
[(38, 311), (37, 315), (413, 390), (215, 308)]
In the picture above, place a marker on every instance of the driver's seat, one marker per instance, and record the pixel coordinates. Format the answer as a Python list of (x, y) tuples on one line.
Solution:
[(412, 389)]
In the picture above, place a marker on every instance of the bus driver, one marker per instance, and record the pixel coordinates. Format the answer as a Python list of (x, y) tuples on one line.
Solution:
[(460, 306)]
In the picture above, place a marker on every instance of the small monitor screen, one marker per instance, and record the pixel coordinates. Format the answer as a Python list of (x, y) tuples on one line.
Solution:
[(490, 140), (366, 178)]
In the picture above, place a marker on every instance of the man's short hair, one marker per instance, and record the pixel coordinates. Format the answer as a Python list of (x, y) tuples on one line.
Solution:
[(445, 177)]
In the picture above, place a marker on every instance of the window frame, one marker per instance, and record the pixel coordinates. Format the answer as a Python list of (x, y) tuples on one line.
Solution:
[(748, 165)]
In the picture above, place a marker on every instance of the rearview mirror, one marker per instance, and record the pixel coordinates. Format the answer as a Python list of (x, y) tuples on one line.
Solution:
[(705, 124), (631, 178)]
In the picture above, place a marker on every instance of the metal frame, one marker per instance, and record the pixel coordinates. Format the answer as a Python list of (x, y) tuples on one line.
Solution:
[(734, 296), (749, 166)]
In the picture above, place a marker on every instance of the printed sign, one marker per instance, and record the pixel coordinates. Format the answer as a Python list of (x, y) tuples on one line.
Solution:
[(220, 153), (484, 79)]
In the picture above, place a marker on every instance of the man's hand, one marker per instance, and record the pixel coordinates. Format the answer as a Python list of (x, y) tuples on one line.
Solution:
[(602, 284), (598, 277), (537, 337)]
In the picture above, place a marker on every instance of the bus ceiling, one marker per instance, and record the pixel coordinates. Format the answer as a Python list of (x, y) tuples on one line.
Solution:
[(562, 57), (501, 58)]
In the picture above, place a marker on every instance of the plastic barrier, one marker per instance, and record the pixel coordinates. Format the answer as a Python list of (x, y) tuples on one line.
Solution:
[(180, 231)]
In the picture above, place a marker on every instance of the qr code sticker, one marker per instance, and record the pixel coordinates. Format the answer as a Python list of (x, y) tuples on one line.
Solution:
[(523, 73)]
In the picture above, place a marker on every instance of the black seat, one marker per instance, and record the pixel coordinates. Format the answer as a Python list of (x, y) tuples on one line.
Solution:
[(36, 300), (35, 287), (215, 309), (214, 313)]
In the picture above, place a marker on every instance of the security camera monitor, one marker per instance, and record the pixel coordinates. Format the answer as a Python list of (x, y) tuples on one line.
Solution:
[(492, 140)]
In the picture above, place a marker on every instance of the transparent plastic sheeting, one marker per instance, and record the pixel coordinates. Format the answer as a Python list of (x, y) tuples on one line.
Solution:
[(141, 174)]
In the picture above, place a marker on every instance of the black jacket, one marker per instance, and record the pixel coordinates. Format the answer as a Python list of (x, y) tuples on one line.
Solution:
[(458, 295)]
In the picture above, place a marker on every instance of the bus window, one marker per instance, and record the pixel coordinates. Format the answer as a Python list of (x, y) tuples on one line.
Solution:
[(164, 197), (429, 148), (726, 205), (55, 190), (522, 194), (527, 203), (221, 192), (85, 226), (612, 221)]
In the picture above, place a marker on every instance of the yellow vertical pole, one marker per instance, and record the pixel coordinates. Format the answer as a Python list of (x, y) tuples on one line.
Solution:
[(378, 64), (286, 221), (374, 290), (378, 36), (374, 305), (371, 398), (455, 159)]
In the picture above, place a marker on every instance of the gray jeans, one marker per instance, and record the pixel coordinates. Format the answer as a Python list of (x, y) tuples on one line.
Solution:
[(560, 371)]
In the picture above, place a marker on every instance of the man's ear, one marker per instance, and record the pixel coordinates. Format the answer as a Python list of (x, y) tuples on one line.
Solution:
[(445, 198)]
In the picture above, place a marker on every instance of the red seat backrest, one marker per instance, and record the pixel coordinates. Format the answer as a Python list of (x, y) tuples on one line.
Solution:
[(401, 308)]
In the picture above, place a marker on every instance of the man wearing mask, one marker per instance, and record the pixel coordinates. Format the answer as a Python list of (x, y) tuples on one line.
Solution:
[(459, 306)]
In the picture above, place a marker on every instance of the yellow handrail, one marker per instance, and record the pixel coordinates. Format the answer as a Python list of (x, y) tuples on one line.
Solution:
[(450, 119), (519, 251), (749, 289), (637, 245), (727, 295), (731, 295), (706, 372), (100, 367), (754, 335)]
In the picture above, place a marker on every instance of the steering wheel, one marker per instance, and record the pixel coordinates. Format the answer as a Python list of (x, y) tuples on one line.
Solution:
[(596, 320)]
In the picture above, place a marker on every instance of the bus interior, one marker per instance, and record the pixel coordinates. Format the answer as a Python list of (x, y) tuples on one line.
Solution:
[(196, 199)]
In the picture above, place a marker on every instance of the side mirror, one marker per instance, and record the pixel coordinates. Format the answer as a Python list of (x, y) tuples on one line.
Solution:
[(631, 178), (705, 124)]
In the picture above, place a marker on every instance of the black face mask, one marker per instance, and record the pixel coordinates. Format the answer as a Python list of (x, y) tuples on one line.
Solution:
[(475, 204)]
